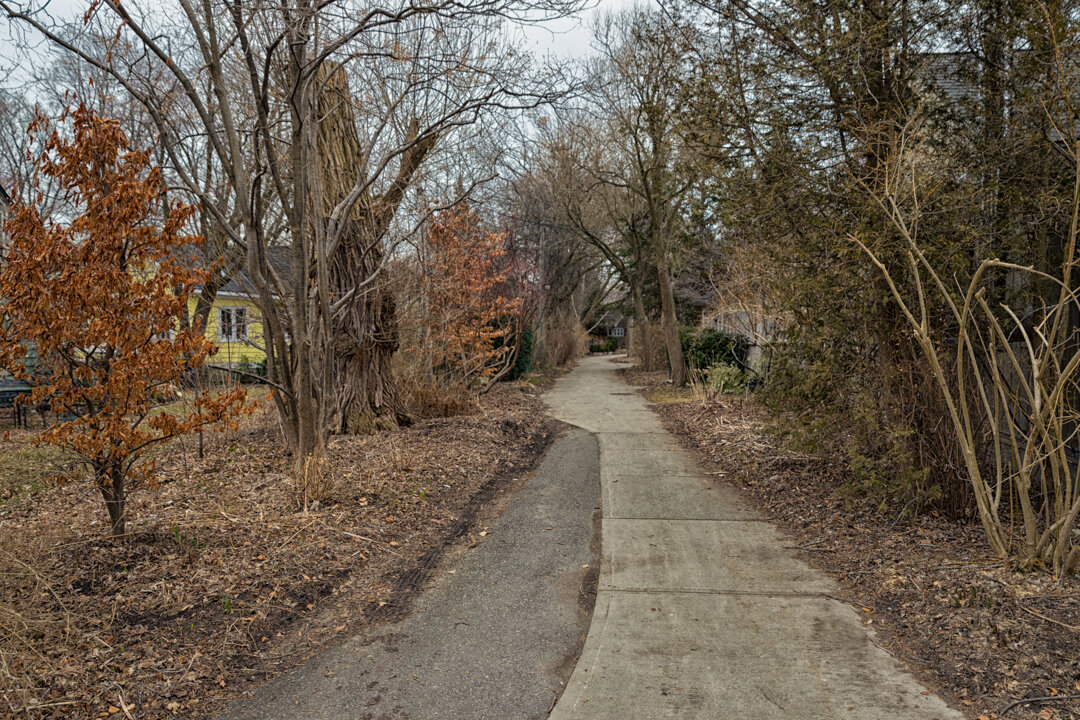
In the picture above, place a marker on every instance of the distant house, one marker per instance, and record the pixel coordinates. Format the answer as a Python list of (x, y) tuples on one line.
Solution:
[(611, 325), (954, 80), (234, 326), (752, 322), (235, 323)]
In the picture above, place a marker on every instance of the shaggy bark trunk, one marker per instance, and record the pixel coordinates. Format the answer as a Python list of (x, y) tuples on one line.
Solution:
[(365, 340), (365, 333)]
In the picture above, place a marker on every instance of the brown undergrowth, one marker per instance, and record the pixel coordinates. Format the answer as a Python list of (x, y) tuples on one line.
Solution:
[(221, 582), (974, 628)]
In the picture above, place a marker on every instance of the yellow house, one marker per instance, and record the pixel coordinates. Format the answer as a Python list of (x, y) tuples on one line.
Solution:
[(235, 328), (235, 322)]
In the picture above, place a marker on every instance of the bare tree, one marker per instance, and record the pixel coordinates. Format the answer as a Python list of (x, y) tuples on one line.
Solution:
[(636, 83), (578, 165), (244, 83)]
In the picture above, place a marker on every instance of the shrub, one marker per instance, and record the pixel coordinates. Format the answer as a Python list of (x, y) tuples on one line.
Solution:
[(97, 292), (469, 315), (726, 378), (434, 399), (611, 345), (251, 371), (524, 361), (563, 340), (704, 348)]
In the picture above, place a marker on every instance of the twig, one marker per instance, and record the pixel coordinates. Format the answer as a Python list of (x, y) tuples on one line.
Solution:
[(852, 603), (346, 532), (354, 535), (184, 674), (804, 547), (901, 513), (123, 704), (1038, 614), (279, 547), (958, 566), (46, 583), (57, 704), (1026, 701), (363, 537)]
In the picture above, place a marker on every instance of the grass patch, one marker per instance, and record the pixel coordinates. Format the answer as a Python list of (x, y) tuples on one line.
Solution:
[(24, 467), (669, 395)]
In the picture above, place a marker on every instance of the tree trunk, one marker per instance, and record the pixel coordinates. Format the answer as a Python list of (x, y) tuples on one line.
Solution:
[(365, 333), (110, 481), (670, 321), (365, 340), (649, 357)]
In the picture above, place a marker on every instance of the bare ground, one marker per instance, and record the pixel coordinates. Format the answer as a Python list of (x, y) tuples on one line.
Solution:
[(970, 626), (222, 583)]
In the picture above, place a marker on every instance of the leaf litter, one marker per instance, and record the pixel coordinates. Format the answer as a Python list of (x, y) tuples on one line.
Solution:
[(222, 583)]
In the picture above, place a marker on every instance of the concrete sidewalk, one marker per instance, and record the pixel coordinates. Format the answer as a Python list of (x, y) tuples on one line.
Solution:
[(701, 612)]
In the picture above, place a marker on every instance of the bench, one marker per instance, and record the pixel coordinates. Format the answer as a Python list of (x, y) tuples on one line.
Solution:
[(10, 392)]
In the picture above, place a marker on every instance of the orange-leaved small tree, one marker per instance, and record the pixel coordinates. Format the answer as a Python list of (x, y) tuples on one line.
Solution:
[(98, 295), (472, 324)]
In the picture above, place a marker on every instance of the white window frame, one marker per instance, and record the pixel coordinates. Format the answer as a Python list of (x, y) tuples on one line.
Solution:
[(233, 336), (617, 332)]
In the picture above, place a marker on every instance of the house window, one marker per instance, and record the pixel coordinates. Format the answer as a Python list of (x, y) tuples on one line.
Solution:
[(617, 332), (232, 324)]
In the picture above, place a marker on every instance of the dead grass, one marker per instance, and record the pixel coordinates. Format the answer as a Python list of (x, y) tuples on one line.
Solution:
[(667, 395), (25, 468), (222, 582)]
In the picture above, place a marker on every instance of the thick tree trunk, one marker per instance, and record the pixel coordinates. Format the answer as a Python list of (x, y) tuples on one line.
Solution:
[(365, 340), (365, 333), (670, 321)]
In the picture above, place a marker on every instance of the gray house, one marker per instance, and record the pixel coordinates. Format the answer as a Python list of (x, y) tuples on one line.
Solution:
[(611, 325)]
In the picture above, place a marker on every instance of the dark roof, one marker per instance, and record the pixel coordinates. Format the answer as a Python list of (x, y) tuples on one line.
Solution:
[(950, 74), (242, 284), (609, 318)]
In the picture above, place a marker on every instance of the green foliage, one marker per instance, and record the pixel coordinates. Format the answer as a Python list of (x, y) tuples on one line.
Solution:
[(881, 464), (611, 345), (524, 361), (252, 371), (725, 378), (705, 348)]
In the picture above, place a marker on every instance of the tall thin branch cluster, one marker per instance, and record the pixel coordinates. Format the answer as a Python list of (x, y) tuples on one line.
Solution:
[(881, 195), (307, 134)]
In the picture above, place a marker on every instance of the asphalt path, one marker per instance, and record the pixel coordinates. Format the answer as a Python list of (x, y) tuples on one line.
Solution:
[(701, 611), (497, 634)]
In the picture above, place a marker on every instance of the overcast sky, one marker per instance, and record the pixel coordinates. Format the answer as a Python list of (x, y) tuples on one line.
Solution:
[(566, 38), (569, 37)]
